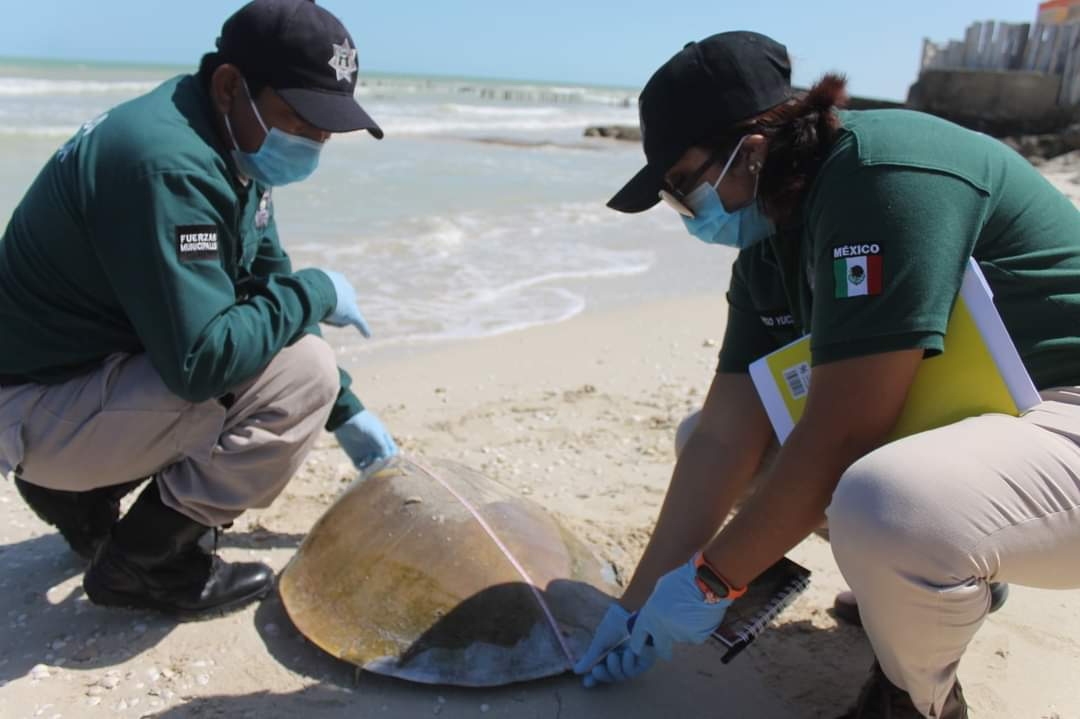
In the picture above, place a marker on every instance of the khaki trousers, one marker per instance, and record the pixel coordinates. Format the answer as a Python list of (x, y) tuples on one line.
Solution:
[(212, 461), (921, 526)]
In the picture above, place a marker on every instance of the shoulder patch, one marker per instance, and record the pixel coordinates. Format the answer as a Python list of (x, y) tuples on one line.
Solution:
[(196, 242), (857, 270)]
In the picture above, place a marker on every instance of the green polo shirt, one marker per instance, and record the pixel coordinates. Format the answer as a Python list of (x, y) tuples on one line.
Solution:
[(136, 237), (760, 317), (902, 201)]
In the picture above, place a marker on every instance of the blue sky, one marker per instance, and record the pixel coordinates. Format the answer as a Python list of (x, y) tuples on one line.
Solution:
[(603, 42)]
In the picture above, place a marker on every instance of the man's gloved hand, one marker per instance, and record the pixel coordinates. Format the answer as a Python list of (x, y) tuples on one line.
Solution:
[(608, 659), (347, 312), (676, 612), (365, 440)]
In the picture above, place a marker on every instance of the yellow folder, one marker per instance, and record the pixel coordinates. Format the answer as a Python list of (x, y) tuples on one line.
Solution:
[(980, 371)]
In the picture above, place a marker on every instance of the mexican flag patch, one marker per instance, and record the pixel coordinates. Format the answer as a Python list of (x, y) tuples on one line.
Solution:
[(857, 276)]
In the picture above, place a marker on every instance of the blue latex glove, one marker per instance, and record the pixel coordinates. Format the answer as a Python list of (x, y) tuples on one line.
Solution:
[(676, 612), (347, 312), (608, 658), (365, 440)]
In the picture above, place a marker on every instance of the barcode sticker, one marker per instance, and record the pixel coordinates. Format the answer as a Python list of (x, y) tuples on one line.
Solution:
[(798, 380)]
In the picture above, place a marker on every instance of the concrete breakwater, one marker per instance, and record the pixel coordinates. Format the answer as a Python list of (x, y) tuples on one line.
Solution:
[(998, 102), (632, 133), (1018, 108)]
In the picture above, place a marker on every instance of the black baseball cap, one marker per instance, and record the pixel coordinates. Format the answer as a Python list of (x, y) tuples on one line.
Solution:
[(704, 90), (304, 53)]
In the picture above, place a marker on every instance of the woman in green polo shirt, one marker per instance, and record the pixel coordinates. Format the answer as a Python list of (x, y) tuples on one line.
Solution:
[(919, 527)]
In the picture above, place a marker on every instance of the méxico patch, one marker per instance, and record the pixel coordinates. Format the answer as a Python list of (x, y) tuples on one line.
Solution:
[(196, 242), (857, 270)]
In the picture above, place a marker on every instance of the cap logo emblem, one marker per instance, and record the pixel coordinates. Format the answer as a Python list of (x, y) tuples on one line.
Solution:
[(344, 61)]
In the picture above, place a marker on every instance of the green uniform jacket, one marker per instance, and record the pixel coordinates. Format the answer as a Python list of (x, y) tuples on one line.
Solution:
[(137, 236), (901, 203)]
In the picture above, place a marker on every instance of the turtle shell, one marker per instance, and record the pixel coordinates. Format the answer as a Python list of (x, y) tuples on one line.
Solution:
[(431, 572)]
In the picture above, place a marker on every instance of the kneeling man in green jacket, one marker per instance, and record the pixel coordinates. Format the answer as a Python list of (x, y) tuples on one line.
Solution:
[(154, 327)]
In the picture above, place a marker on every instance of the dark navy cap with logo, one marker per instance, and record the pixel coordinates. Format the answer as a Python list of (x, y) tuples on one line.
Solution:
[(697, 95), (305, 54)]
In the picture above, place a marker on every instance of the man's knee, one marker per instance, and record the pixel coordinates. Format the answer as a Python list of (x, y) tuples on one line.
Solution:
[(313, 367)]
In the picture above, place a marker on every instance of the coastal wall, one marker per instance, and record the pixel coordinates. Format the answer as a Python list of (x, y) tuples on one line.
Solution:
[(992, 101), (633, 133), (1022, 108)]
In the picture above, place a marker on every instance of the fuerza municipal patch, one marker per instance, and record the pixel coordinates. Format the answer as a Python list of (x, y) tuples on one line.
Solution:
[(197, 242)]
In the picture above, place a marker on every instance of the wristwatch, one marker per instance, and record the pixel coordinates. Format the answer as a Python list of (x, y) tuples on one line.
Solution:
[(712, 584)]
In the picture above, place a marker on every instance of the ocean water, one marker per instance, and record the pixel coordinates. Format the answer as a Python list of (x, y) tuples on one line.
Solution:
[(481, 212)]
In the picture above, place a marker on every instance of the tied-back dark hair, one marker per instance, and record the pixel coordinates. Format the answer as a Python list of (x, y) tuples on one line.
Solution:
[(800, 132)]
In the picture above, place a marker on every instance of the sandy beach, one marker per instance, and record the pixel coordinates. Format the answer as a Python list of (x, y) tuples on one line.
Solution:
[(580, 417)]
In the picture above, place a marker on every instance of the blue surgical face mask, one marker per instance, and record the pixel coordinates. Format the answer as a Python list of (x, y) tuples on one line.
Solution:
[(281, 159), (713, 224)]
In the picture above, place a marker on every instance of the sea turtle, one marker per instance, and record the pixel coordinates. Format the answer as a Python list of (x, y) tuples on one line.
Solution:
[(431, 572)]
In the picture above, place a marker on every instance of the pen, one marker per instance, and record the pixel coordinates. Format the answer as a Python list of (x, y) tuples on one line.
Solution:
[(629, 630)]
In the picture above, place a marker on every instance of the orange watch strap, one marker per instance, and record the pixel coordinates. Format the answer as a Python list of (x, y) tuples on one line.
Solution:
[(733, 591)]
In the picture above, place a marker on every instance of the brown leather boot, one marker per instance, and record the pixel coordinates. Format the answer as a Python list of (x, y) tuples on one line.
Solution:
[(881, 699)]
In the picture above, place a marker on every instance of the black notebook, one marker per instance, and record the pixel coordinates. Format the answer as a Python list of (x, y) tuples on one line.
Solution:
[(765, 598)]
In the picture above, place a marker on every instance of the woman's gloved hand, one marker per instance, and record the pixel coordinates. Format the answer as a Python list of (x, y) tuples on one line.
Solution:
[(676, 612), (608, 658)]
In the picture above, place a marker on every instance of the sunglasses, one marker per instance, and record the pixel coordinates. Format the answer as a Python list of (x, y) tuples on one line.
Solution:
[(675, 197)]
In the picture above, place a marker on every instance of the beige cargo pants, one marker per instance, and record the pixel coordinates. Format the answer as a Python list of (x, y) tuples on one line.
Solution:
[(212, 461), (921, 526)]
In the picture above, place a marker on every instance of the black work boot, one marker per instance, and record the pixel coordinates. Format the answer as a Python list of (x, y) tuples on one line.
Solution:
[(83, 518), (881, 699), (153, 560)]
